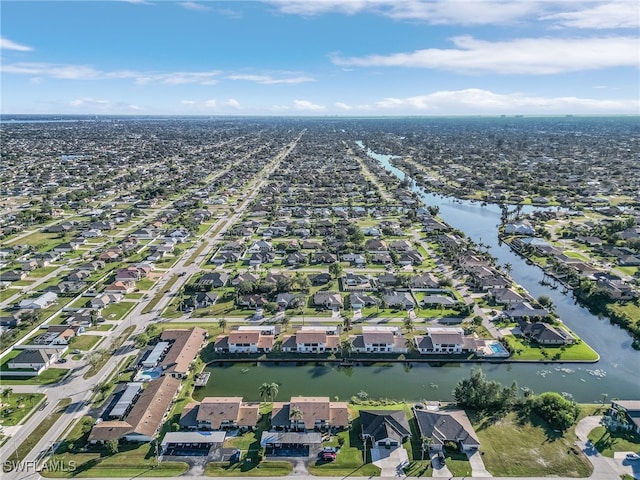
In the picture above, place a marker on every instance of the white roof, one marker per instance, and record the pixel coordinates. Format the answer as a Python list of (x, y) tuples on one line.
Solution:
[(193, 437)]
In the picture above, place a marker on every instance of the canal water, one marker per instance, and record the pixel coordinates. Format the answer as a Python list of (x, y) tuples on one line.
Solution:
[(616, 374)]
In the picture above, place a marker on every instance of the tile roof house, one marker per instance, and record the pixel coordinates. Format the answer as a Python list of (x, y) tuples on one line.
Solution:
[(311, 341), (309, 413), (221, 413), (145, 418), (185, 345)]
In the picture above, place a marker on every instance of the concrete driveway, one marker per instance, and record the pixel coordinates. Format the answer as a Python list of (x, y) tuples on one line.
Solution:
[(390, 461), (477, 465)]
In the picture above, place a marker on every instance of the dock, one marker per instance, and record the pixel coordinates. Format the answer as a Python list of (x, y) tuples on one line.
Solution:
[(202, 379)]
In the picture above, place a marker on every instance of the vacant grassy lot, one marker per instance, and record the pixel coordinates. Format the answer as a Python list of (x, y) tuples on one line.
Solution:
[(117, 311), (513, 446), (17, 406), (607, 442), (84, 342)]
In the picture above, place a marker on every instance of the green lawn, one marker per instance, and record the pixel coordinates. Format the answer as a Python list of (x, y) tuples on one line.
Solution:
[(42, 271), (30, 442), (105, 355), (116, 311), (50, 375), (152, 304), (607, 442), (525, 350), (145, 284), (17, 406), (267, 468), (104, 327), (84, 342), (528, 447), (131, 461), (349, 460)]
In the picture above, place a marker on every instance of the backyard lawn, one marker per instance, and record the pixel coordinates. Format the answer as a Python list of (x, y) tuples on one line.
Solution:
[(525, 350)]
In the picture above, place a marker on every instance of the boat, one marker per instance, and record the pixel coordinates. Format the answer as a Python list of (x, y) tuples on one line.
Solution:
[(244, 370)]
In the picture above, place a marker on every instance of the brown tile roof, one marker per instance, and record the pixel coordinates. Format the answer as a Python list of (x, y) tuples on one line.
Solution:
[(147, 414), (186, 345), (338, 414), (312, 408), (333, 341), (311, 337), (244, 337)]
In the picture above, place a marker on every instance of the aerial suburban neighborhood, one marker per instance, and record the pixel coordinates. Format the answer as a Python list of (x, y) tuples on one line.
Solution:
[(311, 297)]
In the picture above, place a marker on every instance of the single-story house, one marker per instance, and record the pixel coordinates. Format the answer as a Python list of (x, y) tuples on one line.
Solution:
[(447, 426), (384, 428)]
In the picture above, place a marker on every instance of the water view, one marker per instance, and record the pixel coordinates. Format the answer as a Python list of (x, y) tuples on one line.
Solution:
[(615, 374)]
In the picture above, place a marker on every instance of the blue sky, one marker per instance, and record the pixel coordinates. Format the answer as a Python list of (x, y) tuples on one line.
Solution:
[(325, 57)]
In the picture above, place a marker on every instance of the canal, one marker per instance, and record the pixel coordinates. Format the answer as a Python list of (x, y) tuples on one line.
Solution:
[(616, 374)]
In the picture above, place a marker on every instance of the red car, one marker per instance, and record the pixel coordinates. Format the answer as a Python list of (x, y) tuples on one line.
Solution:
[(328, 456)]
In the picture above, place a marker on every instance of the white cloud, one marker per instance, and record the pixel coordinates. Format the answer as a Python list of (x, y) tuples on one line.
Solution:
[(188, 102), (138, 2), (617, 14), (233, 103), (307, 105), (521, 56), (478, 101), (136, 107), (465, 12), (84, 72), (194, 6), (269, 80), (595, 14), (211, 103), (6, 44), (88, 101), (350, 108)]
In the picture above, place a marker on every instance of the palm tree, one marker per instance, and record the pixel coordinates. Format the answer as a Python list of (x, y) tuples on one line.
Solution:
[(268, 390), (426, 444), (410, 345), (295, 415), (222, 323), (7, 393), (347, 323), (346, 346), (408, 324), (508, 268), (285, 322)]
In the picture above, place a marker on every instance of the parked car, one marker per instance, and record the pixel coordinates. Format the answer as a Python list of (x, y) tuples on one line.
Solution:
[(333, 450), (62, 360), (441, 458), (632, 456), (328, 456)]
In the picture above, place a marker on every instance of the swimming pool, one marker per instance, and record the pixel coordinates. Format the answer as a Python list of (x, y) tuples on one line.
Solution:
[(498, 349), (148, 375)]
